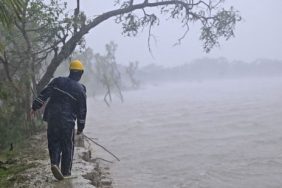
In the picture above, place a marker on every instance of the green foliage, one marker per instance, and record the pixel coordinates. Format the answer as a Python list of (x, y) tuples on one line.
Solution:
[(11, 128), (27, 45), (45, 34), (10, 10), (215, 21), (15, 124), (223, 25), (13, 170)]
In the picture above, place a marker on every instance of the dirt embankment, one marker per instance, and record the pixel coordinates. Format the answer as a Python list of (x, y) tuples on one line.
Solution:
[(29, 167)]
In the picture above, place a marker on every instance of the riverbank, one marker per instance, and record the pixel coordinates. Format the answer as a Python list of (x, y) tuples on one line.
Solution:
[(28, 166)]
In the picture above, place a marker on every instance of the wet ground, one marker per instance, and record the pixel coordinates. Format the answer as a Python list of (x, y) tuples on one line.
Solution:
[(88, 171)]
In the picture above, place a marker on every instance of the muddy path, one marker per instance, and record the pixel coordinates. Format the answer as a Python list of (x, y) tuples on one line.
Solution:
[(87, 171)]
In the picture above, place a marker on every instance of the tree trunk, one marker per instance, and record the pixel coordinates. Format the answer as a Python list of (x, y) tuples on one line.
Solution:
[(71, 44)]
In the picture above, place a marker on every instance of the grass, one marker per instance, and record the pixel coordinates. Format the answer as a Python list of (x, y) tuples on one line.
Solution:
[(8, 176), (23, 152)]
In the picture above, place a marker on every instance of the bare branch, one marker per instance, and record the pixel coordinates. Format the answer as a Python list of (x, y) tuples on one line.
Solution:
[(150, 35), (210, 24), (183, 36), (76, 13)]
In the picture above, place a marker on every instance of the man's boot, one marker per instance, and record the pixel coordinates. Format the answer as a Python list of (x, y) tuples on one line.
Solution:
[(57, 172)]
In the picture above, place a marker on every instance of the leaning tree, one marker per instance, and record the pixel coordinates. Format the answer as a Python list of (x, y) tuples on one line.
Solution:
[(216, 22), (39, 35), (52, 33)]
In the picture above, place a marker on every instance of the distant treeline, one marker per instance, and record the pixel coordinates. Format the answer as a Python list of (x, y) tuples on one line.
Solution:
[(211, 68)]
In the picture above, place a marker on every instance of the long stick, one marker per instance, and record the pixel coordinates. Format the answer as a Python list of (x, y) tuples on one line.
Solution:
[(102, 147)]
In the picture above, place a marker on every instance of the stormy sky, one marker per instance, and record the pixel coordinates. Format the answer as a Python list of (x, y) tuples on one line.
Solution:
[(257, 36)]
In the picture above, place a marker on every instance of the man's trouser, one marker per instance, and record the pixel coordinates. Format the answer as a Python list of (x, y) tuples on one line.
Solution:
[(60, 135)]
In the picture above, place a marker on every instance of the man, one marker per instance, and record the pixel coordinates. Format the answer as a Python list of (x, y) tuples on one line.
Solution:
[(67, 102)]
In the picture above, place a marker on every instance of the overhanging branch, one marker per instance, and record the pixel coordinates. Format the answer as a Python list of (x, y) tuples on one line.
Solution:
[(71, 44)]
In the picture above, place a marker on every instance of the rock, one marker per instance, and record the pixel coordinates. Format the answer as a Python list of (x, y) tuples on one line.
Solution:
[(25, 161), (4, 167), (93, 160), (91, 175), (88, 176), (106, 182), (11, 161), (86, 156), (20, 178), (37, 183)]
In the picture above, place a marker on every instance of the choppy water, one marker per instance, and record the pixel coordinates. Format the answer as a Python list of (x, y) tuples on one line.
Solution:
[(210, 134)]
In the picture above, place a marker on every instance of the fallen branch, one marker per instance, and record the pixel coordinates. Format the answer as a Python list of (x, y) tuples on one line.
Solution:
[(102, 147), (103, 160)]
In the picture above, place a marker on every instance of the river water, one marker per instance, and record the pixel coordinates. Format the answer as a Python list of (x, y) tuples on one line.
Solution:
[(203, 134)]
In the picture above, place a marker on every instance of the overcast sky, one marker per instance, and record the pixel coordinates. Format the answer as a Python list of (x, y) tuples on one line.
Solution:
[(259, 35)]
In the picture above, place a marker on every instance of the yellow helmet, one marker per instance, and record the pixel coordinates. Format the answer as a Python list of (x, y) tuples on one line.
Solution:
[(76, 65)]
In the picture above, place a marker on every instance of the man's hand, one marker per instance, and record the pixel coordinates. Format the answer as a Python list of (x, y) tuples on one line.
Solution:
[(32, 113), (78, 132)]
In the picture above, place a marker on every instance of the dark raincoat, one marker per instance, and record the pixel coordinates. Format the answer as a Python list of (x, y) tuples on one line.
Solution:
[(66, 104)]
